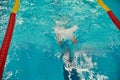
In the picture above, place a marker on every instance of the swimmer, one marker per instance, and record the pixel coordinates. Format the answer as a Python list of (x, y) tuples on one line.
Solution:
[(63, 33)]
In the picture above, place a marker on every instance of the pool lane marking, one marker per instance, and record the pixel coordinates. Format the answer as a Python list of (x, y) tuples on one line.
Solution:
[(8, 36), (16, 6), (110, 13)]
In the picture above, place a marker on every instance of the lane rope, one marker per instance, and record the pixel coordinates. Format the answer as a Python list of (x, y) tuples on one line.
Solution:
[(110, 13), (8, 36)]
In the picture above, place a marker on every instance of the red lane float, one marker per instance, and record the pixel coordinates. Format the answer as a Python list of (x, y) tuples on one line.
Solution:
[(6, 42), (8, 36), (110, 13), (114, 19)]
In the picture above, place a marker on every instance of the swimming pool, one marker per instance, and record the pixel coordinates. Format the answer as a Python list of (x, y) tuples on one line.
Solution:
[(34, 53)]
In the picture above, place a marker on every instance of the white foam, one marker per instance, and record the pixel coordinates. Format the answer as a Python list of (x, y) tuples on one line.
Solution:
[(84, 65), (7, 75), (65, 33), (91, 0), (101, 77)]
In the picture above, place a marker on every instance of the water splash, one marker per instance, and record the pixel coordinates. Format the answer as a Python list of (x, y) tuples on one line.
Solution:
[(84, 65)]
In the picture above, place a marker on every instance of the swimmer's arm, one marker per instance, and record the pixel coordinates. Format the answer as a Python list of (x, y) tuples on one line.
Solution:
[(74, 39), (59, 39)]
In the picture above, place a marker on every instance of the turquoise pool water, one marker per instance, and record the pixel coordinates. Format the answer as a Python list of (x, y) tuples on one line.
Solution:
[(34, 53)]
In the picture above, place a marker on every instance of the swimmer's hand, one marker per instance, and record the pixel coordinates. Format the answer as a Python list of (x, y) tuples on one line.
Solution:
[(74, 40), (60, 42)]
